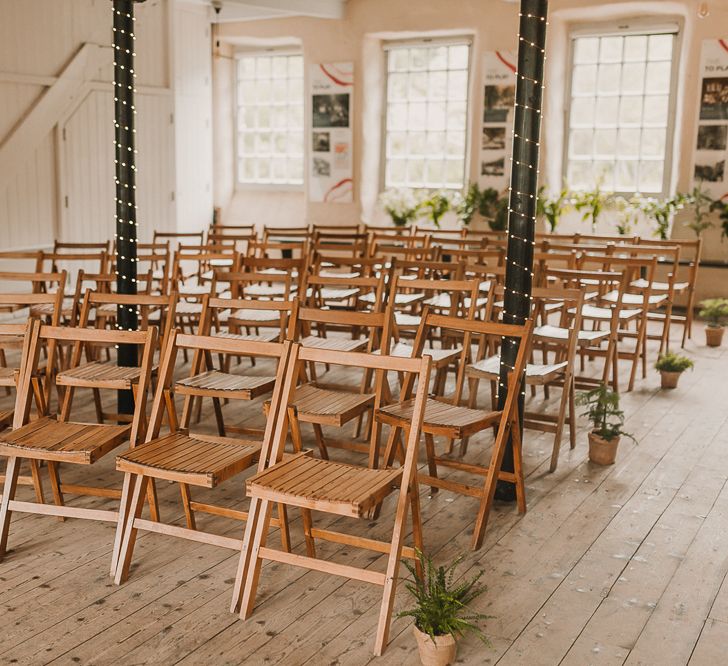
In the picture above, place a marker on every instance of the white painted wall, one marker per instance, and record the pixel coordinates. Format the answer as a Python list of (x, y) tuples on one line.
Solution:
[(63, 187), (193, 115)]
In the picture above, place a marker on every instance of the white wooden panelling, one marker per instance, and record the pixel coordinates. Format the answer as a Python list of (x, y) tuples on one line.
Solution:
[(193, 116), (88, 168)]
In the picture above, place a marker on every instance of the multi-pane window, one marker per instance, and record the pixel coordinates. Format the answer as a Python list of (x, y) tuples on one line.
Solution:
[(270, 119), (426, 122), (620, 112)]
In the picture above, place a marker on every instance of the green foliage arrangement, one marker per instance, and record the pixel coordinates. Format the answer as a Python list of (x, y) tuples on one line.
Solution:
[(441, 604), (437, 204), (671, 362), (551, 207), (494, 208), (702, 205), (715, 310), (603, 411), (592, 203), (662, 211), (467, 208), (722, 208)]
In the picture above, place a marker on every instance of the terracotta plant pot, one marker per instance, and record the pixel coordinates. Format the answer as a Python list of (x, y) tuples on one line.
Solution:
[(439, 652), (714, 335), (669, 379), (602, 451)]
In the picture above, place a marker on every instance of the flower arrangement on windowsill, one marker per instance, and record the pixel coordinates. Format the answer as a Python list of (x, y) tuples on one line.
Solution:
[(403, 205)]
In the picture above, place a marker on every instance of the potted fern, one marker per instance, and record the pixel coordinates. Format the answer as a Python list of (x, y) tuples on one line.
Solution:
[(671, 366), (607, 418), (715, 310), (441, 613)]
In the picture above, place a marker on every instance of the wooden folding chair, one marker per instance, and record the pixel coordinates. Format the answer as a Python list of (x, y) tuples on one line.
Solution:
[(559, 372), (225, 317), (448, 418), (56, 440), (338, 489), (179, 237), (203, 461)]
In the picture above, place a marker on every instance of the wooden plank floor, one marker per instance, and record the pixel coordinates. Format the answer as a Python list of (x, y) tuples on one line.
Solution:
[(618, 565)]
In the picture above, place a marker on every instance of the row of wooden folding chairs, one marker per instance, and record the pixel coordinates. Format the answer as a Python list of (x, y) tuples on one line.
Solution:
[(282, 480)]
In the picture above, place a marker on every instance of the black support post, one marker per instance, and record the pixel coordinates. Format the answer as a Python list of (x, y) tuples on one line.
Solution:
[(522, 202), (125, 176)]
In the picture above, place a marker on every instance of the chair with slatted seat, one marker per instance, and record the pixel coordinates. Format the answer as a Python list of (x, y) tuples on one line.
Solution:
[(283, 234), (339, 244), (451, 297), (58, 441), (343, 293), (226, 318), (331, 404), (72, 262), (193, 459), (17, 335), (285, 248), (684, 279), (447, 417), (631, 304), (336, 489), (88, 371), (560, 371)]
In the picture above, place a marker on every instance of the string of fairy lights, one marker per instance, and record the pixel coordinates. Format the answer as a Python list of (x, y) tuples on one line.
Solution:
[(525, 199), (125, 236)]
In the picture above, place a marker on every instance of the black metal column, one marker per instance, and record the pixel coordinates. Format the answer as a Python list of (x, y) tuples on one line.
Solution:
[(124, 159), (522, 203)]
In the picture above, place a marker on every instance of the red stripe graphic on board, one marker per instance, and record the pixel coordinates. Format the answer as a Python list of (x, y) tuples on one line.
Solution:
[(335, 79), (505, 62), (332, 193), (723, 43)]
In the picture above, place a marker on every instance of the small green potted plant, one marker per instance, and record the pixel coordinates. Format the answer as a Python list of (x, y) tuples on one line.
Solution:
[(401, 204), (592, 203), (701, 203), (607, 418), (671, 366), (441, 613), (715, 310)]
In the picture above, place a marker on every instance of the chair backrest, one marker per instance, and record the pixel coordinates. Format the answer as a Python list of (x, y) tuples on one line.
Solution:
[(179, 237), (96, 262), (469, 328), (454, 297), (241, 312), (278, 249), (38, 282), (281, 234), (377, 326), (60, 247), (145, 341), (319, 290), (144, 304), (266, 285)]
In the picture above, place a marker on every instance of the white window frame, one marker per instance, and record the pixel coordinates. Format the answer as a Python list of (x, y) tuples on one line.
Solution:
[(264, 187), (626, 28), (465, 40)]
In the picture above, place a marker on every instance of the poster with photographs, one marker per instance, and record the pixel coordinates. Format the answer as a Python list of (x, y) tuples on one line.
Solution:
[(711, 144), (499, 91), (330, 161)]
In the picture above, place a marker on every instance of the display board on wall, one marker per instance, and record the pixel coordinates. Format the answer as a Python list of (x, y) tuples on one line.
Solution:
[(711, 145), (499, 91), (330, 165)]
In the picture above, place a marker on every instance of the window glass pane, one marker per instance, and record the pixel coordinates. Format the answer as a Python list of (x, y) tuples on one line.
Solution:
[(270, 115), (618, 111), (426, 119)]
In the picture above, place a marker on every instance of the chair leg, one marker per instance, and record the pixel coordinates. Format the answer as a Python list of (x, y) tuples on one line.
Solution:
[(184, 490), (565, 393), (518, 466), (152, 499), (491, 479), (285, 532), (295, 426), (130, 532), (431, 464), (37, 481), (121, 523), (55, 479), (252, 575), (307, 516), (572, 415), (319, 433), (390, 580), (218, 417), (98, 406), (11, 484)]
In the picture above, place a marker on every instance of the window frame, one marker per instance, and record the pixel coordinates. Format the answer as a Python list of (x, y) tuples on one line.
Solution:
[(390, 45), (267, 187), (648, 27)]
